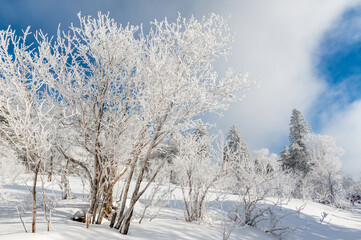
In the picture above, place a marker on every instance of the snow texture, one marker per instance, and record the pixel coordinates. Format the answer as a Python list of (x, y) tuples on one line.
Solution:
[(170, 224)]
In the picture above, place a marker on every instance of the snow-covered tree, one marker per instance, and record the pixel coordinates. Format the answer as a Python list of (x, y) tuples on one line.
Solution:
[(235, 147), (235, 157), (180, 83), (351, 185), (93, 74), (198, 169), (124, 92), (296, 158), (27, 114), (325, 180)]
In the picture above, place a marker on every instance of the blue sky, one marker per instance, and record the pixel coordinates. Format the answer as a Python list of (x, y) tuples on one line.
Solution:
[(305, 55), (340, 58)]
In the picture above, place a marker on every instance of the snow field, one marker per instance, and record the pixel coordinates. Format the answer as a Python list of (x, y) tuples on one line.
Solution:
[(169, 222)]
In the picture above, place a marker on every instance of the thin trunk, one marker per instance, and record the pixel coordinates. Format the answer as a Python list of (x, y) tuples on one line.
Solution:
[(186, 206), (124, 221), (137, 193), (103, 207), (37, 168), (97, 169), (94, 192), (99, 205), (93, 202), (125, 228), (65, 180), (107, 203), (126, 191), (128, 216), (21, 219), (45, 204), (125, 196), (149, 203)]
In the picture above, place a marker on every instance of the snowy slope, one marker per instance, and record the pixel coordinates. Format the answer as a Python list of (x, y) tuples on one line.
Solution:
[(169, 224)]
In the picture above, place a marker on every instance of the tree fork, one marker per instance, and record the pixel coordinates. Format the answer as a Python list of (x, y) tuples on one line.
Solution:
[(126, 222)]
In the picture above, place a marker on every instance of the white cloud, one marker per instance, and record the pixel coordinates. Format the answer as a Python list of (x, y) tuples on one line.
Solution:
[(275, 43), (345, 126)]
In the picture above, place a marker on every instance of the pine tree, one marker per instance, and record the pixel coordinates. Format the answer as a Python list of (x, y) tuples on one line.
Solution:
[(201, 133), (296, 157), (236, 149)]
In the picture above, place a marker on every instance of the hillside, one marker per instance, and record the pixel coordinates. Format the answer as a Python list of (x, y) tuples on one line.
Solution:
[(169, 222)]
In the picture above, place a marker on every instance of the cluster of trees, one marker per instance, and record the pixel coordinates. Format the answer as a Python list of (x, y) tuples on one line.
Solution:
[(311, 163), (315, 161), (309, 168), (102, 98)]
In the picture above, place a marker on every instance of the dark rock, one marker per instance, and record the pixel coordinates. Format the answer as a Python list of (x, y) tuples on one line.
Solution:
[(79, 216)]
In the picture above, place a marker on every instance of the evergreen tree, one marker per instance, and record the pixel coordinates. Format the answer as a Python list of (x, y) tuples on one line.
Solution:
[(236, 149), (296, 157), (201, 133)]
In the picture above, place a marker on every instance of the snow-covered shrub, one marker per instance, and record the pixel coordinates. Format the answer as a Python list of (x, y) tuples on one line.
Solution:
[(324, 182), (255, 186), (260, 178), (198, 169)]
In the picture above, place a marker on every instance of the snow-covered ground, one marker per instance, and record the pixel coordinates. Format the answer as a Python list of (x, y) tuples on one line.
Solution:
[(169, 223)]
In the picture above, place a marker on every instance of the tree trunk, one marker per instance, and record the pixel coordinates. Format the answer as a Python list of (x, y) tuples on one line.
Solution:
[(94, 192), (106, 206), (136, 193), (112, 221), (125, 196), (65, 180), (33, 224), (125, 227), (126, 190), (126, 220)]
